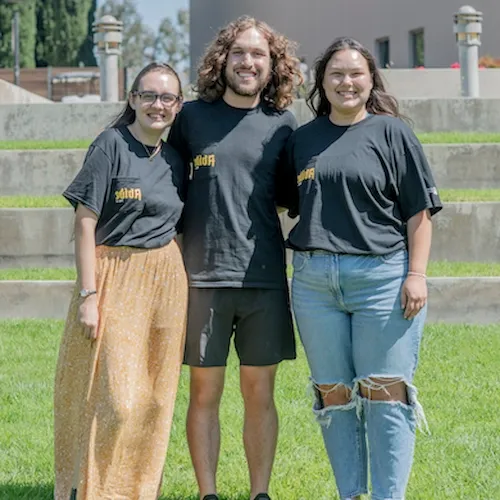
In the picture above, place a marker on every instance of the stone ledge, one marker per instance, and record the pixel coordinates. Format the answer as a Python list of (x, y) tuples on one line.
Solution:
[(451, 300)]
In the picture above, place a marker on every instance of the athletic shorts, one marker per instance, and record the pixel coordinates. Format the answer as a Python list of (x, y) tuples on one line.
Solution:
[(260, 320)]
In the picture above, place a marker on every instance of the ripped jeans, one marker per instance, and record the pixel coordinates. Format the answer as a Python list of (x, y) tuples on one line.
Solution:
[(350, 321)]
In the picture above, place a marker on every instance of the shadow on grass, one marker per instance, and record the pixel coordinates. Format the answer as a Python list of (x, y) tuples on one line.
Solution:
[(27, 491), (46, 492)]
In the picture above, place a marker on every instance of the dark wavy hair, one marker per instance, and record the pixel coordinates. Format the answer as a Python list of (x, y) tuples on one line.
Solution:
[(127, 115), (379, 102), (285, 69)]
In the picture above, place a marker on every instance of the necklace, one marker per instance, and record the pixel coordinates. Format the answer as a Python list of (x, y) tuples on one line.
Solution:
[(154, 152)]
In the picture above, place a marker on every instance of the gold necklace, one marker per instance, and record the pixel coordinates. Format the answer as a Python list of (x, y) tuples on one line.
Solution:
[(154, 152)]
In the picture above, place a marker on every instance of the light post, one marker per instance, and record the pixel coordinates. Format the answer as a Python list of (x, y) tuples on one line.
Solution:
[(108, 36), (468, 29), (15, 38)]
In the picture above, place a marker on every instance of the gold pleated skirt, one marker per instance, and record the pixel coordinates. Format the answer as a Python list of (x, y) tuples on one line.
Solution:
[(114, 396)]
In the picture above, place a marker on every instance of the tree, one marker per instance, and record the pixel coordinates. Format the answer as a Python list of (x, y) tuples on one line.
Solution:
[(27, 30), (137, 37), (63, 29), (172, 41)]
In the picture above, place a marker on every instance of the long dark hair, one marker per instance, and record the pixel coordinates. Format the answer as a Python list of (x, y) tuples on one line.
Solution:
[(127, 115), (379, 102)]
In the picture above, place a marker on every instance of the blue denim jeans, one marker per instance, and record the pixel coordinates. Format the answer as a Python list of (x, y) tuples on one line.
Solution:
[(350, 321)]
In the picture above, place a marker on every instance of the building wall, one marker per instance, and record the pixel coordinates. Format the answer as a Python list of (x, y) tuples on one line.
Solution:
[(315, 23)]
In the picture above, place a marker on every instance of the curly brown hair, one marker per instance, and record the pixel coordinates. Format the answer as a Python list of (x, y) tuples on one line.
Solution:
[(285, 68)]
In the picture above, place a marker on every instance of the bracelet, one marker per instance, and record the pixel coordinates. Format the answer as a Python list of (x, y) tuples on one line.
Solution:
[(420, 275)]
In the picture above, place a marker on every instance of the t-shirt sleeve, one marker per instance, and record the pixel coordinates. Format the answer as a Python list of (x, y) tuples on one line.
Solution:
[(415, 183), (176, 138), (287, 191), (91, 184)]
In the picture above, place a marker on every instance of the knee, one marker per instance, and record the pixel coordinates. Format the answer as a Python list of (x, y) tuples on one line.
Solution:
[(332, 394), (204, 396), (384, 389)]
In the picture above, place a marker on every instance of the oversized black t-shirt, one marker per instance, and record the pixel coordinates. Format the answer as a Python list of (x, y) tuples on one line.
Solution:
[(137, 201), (235, 164), (358, 185)]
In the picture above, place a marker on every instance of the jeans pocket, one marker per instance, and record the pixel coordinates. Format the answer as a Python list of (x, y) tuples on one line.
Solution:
[(396, 257), (299, 261)]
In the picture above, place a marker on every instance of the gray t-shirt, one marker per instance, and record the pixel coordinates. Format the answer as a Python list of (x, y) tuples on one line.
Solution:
[(137, 201), (358, 185), (235, 163)]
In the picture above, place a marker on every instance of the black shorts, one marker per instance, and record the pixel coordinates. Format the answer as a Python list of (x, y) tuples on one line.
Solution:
[(259, 318)]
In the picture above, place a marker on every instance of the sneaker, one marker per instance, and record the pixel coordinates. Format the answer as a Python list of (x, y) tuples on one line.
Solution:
[(211, 497), (262, 496)]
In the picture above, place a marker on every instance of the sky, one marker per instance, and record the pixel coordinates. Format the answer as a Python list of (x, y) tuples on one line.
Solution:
[(153, 11)]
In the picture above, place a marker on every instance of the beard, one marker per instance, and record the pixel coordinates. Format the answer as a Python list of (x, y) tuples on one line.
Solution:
[(246, 90)]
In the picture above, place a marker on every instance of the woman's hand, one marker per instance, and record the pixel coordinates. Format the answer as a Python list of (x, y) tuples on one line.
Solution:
[(413, 295), (88, 316)]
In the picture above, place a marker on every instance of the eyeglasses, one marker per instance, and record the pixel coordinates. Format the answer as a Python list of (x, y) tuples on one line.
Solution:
[(149, 98)]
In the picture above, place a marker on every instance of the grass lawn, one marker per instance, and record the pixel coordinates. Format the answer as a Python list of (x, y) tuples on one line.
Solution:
[(425, 138), (57, 201), (457, 379), (435, 269)]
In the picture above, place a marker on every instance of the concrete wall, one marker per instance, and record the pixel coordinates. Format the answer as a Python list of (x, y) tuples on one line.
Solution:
[(48, 172), (434, 83), (12, 94), (85, 121), (451, 300), (315, 23)]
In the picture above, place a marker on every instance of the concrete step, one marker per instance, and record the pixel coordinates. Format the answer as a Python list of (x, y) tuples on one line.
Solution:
[(462, 232), (48, 172), (451, 300), (43, 237), (85, 121)]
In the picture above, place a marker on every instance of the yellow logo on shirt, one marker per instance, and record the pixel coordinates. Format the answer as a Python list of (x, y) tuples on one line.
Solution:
[(305, 175), (203, 161), (127, 194)]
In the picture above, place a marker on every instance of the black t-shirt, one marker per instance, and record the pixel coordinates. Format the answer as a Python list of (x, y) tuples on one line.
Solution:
[(358, 185), (235, 163), (137, 201)]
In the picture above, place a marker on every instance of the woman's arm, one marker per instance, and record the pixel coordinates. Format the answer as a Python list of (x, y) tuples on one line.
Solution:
[(414, 291), (85, 225)]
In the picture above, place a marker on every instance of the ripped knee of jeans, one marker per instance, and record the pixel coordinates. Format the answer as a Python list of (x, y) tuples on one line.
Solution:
[(331, 397), (376, 389)]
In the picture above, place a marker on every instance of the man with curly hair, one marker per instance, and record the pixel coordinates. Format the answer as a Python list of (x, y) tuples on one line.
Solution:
[(232, 140)]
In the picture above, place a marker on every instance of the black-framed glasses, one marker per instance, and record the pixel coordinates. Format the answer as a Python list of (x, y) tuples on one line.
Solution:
[(147, 97)]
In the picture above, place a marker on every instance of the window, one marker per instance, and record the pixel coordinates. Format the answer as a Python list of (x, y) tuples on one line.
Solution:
[(383, 52), (417, 48)]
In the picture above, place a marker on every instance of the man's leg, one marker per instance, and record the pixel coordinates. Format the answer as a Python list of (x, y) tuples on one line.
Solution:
[(260, 431), (203, 428), (264, 337), (209, 330)]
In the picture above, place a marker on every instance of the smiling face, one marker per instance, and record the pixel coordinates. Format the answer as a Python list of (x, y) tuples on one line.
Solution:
[(347, 84), (154, 117), (248, 67)]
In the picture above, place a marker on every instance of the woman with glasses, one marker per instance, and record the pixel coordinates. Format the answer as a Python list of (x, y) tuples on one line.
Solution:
[(121, 352)]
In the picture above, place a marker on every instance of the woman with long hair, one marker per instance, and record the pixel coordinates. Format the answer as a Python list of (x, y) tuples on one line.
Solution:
[(359, 290), (121, 352)]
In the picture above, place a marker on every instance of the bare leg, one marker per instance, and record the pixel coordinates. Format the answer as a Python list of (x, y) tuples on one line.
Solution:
[(203, 427)]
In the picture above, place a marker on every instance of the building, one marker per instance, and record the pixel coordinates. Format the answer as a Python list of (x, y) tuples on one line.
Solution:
[(400, 33)]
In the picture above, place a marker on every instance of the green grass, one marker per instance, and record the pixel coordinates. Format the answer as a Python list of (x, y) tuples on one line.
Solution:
[(425, 138), (458, 137), (458, 386), (458, 195), (33, 202), (435, 269), (50, 274), (447, 195), (75, 144)]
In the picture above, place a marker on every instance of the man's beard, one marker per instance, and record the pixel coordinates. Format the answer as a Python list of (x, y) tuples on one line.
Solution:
[(242, 90)]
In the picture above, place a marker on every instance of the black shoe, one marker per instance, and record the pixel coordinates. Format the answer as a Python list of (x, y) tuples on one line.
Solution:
[(262, 496), (211, 497)]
